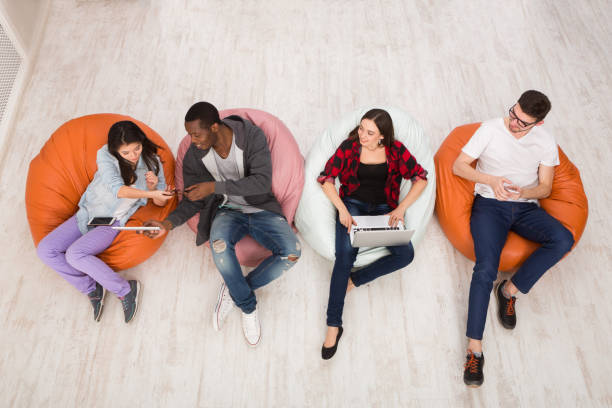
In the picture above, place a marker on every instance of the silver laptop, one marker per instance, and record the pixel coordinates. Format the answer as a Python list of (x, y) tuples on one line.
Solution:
[(374, 231)]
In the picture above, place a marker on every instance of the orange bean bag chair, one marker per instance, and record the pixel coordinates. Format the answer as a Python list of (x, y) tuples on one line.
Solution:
[(63, 169), (455, 195)]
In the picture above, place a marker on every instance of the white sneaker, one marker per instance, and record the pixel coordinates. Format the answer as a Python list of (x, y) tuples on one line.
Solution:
[(251, 328), (224, 305)]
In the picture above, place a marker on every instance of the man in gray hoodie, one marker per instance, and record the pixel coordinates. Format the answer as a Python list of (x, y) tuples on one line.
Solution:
[(227, 172)]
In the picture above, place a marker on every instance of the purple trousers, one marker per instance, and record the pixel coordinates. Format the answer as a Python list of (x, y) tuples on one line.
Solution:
[(73, 256)]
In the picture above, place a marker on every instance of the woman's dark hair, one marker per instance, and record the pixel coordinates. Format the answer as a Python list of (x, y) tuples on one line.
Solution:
[(126, 132), (205, 112), (383, 122), (535, 104)]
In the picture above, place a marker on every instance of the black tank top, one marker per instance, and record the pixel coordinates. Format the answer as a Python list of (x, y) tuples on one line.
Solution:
[(372, 179)]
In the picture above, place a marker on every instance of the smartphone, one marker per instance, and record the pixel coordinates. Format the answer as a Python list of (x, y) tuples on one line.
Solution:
[(510, 188), (101, 221)]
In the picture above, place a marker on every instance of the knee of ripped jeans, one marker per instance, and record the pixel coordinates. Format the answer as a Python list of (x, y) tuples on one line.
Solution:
[(294, 256), (219, 246)]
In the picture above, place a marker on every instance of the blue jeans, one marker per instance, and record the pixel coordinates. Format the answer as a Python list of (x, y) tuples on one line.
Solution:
[(345, 258), (267, 228), (490, 223)]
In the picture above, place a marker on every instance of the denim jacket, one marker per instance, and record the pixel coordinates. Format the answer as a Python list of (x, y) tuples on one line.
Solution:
[(100, 198)]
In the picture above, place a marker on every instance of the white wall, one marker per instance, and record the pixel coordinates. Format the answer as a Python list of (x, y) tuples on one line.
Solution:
[(23, 18), (23, 21)]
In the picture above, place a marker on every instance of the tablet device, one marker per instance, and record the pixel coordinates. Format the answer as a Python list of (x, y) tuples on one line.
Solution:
[(101, 221), (137, 228)]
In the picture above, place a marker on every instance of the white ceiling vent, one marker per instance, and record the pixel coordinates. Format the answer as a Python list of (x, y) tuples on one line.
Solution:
[(10, 63)]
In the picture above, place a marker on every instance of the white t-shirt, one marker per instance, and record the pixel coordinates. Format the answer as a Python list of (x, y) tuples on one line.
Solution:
[(125, 204), (499, 153), (228, 170)]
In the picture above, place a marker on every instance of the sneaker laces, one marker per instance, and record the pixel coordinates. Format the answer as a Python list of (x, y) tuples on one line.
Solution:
[(226, 302), (96, 294), (510, 306), (251, 322), (472, 363), (125, 303)]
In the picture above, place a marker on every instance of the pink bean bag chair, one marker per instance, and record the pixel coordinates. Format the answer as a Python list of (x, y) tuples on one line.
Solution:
[(287, 175)]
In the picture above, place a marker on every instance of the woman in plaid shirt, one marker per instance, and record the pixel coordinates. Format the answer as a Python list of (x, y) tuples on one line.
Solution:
[(371, 165)]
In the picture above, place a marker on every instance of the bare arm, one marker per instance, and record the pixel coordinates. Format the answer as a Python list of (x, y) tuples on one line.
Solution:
[(330, 191), (415, 191), (159, 197), (131, 192), (345, 217), (462, 168), (397, 214), (544, 187), (153, 182)]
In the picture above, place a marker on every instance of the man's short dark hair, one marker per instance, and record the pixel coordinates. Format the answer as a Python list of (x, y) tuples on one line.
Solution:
[(205, 112), (535, 104)]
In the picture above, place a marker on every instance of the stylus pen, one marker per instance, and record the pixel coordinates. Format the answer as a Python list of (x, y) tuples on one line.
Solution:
[(136, 228)]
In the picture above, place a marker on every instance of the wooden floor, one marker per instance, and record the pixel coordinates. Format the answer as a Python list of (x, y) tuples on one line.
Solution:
[(447, 63)]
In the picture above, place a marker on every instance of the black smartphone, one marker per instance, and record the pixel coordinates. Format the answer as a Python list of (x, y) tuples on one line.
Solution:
[(101, 221)]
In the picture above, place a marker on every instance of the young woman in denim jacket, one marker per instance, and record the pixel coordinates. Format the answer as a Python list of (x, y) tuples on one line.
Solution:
[(370, 164), (129, 172)]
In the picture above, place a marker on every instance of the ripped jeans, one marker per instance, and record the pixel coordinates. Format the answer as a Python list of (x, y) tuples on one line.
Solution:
[(269, 229)]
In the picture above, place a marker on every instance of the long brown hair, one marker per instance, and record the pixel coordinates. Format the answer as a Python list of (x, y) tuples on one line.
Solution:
[(126, 132), (383, 122)]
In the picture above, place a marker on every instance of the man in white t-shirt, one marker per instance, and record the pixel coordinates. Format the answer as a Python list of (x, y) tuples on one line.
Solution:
[(516, 160)]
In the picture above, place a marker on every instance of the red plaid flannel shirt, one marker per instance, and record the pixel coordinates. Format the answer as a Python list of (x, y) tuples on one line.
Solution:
[(345, 162)]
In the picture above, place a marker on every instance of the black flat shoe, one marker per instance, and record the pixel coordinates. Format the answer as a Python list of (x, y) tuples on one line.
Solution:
[(328, 352)]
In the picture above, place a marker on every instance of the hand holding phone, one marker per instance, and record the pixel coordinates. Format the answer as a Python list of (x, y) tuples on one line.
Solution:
[(161, 196), (199, 191), (511, 188)]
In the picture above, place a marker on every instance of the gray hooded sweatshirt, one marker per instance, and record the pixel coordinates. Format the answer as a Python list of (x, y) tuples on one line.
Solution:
[(255, 185)]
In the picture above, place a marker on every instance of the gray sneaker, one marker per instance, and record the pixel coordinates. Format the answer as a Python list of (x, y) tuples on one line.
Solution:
[(96, 297), (130, 301)]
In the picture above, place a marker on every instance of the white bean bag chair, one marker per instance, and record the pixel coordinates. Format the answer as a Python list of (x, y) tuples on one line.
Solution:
[(316, 215)]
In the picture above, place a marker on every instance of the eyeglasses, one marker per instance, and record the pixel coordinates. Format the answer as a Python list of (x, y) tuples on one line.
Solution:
[(521, 123)]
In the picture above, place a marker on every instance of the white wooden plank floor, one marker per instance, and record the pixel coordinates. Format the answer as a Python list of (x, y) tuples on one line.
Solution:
[(447, 63)]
